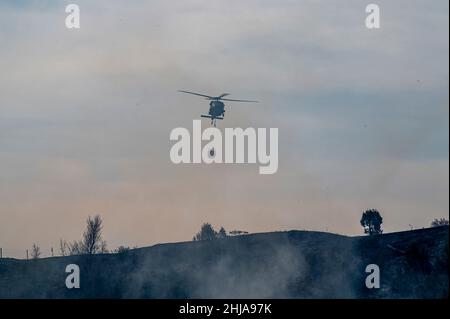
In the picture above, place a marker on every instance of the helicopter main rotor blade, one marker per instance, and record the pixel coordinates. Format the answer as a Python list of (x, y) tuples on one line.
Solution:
[(193, 93), (248, 101)]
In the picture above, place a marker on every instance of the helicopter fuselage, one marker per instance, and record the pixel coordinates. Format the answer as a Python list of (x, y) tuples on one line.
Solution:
[(216, 109), (216, 106)]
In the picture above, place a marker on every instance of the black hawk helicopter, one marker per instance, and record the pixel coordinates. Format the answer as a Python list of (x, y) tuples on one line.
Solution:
[(216, 106)]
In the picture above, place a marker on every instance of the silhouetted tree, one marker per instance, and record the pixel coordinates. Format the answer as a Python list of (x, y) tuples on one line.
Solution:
[(207, 232), (103, 247), (92, 242), (439, 222), (63, 247), (371, 220), (76, 248), (92, 238), (222, 233), (35, 252)]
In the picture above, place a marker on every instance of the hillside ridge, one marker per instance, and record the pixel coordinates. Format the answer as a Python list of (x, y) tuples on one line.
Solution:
[(284, 264)]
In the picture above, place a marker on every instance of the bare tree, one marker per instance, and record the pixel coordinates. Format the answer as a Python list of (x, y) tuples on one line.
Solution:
[(75, 248), (63, 247), (92, 242), (92, 238), (103, 249), (35, 252)]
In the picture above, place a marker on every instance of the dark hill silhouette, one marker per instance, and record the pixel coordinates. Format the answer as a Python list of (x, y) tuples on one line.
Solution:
[(293, 264)]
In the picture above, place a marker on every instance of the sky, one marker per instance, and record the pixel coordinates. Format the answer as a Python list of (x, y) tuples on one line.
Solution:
[(86, 114)]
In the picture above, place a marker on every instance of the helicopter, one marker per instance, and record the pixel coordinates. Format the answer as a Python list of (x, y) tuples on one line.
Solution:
[(216, 106)]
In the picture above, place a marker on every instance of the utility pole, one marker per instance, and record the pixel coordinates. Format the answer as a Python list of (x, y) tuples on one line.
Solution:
[(52, 251), (27, 254)]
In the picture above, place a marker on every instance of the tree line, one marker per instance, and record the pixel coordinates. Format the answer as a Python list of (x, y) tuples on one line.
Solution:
[(93, 243)]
